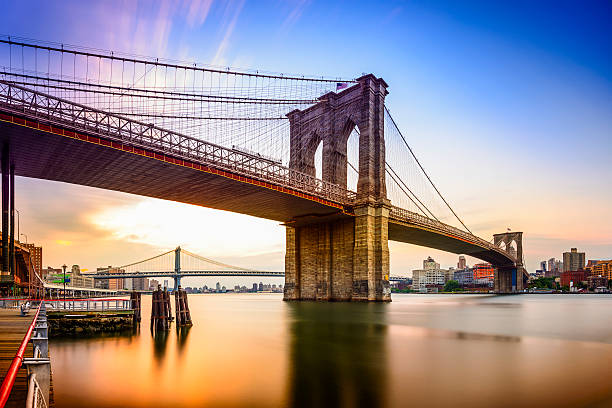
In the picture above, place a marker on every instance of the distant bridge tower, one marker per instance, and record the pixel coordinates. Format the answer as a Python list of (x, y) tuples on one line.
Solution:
[(510, 278), (338, 259), (177, 268)]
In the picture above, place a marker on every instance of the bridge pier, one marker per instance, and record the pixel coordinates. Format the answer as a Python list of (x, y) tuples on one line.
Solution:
[(342, 260)]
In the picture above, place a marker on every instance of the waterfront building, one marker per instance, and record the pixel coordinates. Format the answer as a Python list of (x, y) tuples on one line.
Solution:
[(597, 281), (431, 274), (80, 281), (543, 266), (218, 287), (461, 265), (484, 273), (76, 270), (572, 278), (153, 284), (573, 260), (602, 268), (35, 256), (254, 287), (140, 283), (465, 277), (261, 287)]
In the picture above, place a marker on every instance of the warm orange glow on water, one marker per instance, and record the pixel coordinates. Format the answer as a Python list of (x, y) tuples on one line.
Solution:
[(255, 350)]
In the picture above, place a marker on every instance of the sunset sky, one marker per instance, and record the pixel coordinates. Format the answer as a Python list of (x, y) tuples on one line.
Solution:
[(509, 108)]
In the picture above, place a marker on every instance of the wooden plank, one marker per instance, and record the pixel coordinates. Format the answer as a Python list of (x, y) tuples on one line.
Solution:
[(13, 327)]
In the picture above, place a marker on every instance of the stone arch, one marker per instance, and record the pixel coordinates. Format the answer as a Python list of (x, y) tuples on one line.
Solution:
[(362, 106)]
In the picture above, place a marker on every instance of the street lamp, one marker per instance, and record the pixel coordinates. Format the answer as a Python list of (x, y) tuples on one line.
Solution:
[(26, 237), (64, 267)]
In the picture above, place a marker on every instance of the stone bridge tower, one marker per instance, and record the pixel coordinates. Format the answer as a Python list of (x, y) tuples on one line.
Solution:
[(510, 278), (334, 258)]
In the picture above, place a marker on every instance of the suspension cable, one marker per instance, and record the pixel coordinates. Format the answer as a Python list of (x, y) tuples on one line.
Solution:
[(424, 172)]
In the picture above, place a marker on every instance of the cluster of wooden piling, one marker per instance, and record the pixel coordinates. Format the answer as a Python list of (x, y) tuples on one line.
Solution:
[(135, 304), (161, 311), (183, 317)]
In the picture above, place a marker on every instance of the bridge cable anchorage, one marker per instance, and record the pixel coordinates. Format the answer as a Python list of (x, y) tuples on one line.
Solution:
[(424, 172)]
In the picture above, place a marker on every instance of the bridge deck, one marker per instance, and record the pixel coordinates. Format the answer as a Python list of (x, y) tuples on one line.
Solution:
[(13, 327), (52, 156)]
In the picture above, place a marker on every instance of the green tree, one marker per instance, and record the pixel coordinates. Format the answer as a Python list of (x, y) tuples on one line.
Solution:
[(452, 286)]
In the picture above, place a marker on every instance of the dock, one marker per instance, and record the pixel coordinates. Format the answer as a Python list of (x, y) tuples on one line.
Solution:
[(13, 327)]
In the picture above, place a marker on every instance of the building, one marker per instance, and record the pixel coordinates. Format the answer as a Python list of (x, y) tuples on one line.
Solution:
[(484, 274), (49, 271), (572, 278), (35, 256), (80, 281), (113, 284), (430, 275), (554, 269), (153, 284), (461, 265), (543, 266), (76, 270), (601, 268), (140, 284), (573, 260), (595, 282), (465, 277)]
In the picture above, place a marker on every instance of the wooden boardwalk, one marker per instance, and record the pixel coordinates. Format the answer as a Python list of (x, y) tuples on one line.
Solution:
[(13, 327)]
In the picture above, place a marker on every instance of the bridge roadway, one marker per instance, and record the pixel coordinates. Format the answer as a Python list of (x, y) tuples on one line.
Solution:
[(172, 274), (54, 139)]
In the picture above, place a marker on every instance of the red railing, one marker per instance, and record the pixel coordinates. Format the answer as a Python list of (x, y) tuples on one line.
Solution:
[(9, 380)]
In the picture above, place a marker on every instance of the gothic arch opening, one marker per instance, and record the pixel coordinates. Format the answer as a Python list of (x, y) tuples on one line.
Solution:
[(352, 158), (318, 160)]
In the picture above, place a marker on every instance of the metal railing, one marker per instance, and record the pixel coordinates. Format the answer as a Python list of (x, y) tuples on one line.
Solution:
[(81, 118), (35, 397), (88, 305), (11, 375), (403, 215)]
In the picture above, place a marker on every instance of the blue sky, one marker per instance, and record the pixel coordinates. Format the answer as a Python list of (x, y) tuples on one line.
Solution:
[(507, 104)]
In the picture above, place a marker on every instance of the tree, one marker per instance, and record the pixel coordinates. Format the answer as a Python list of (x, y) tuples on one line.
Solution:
[(452, 286)]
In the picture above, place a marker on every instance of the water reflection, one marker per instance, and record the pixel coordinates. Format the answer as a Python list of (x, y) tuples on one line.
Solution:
[(160, 342), (338, 355), (182, 332)]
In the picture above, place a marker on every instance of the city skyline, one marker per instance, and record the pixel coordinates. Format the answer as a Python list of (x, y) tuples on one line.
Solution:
[(527, 99)]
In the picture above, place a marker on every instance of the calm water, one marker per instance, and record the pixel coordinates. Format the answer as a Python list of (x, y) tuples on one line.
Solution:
[(420, 350)]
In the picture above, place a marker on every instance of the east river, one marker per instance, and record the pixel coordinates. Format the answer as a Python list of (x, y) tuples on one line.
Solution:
[(419, 350)]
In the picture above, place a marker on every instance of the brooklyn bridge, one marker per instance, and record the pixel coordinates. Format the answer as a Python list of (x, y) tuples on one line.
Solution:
[(322, 156)]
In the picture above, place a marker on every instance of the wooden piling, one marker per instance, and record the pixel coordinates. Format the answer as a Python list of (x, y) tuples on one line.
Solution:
[(135, 304), (161, 313), (183, 316)]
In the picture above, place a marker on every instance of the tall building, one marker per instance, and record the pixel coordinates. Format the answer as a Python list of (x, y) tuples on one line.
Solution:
[(543, 266), (461, 264), (36, 256), (573, 260)]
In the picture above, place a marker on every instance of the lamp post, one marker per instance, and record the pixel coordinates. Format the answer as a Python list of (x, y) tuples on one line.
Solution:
[(64, 267), (26, 237), (18, 223)]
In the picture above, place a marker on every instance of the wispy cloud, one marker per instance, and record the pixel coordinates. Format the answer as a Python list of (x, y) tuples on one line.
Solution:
[(294, 15), (197, 12), (219, 58)]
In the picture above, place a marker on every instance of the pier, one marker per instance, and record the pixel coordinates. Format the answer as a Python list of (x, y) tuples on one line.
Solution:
[(24, 358)]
